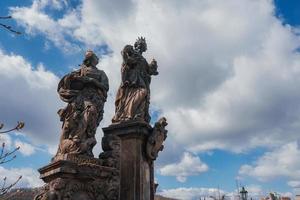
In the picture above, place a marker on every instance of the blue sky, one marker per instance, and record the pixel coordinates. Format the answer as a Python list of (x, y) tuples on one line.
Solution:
[(228, 84), (288, 11)]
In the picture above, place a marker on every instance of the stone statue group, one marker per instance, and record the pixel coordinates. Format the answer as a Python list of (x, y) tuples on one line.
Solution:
[(85, 91), (125, 169)]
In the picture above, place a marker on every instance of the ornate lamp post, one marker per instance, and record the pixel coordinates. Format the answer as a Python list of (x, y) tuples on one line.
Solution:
[(244, 194)]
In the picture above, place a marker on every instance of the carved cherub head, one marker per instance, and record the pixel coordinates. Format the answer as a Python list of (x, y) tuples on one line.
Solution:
[(91, 59), (140, 45)]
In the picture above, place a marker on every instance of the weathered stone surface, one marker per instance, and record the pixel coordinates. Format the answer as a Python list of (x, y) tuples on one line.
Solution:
[(136, 166), (135, 169), (110, 157), (79, 177), (74, 173), (29, 193), (156, 139), (139, 142)]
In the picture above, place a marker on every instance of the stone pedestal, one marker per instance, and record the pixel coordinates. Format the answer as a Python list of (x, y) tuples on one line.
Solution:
[(136, 172), (76, 177), (123, 171)]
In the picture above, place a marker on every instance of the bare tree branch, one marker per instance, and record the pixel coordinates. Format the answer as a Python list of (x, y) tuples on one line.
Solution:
[(6, 17), (7, 27), (7, 157), (18, 127), (4, 189)]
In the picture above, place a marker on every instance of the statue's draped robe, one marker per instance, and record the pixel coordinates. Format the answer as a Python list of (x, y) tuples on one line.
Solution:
[(84, 111), (133, 96)]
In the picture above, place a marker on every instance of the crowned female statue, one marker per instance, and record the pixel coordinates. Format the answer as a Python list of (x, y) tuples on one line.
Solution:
[(133, 96), (85, 91)]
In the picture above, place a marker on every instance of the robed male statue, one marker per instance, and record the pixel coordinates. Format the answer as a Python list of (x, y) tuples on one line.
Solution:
[(85, 91)]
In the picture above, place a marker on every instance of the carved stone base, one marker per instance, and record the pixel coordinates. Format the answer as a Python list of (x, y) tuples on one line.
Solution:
[(73, 177), (136, 170)]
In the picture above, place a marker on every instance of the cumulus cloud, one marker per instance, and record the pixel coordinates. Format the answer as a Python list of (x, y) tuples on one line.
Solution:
[(30, 177), (255, 191), (25, 148), (189, 165), (194, 193), (6, 139), (35, 20), (277, 163), (294, 184), (191, 193), (29, 94)]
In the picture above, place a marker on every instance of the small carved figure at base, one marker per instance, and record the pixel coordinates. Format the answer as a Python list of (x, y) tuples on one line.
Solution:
[(110, 156), (156, 139)]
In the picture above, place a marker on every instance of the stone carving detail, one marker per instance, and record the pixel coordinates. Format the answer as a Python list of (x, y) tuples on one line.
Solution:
[(156, 139), (85, 91), (72, 189), (110, 156), (74, 173), (81, 177), (133, 96)]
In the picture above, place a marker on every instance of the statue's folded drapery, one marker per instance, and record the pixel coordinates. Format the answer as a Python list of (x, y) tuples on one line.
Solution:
[(133, 96), (85, 91)]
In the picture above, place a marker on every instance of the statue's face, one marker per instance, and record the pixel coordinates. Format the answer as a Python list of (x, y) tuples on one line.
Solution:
[(91, 60), (94, 60)]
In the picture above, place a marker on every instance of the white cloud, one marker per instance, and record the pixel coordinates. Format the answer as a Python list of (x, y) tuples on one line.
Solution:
[(255, 191), (25, 148), (6, 139), (294, 184), (191, 193), (30, 177), (189, 165), (29, 94), (55, 4), (36, 21), (194, 193), (277, 163)]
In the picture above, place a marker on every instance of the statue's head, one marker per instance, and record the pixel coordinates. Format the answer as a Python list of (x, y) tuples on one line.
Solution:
[(91, 59), (140, 45)]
